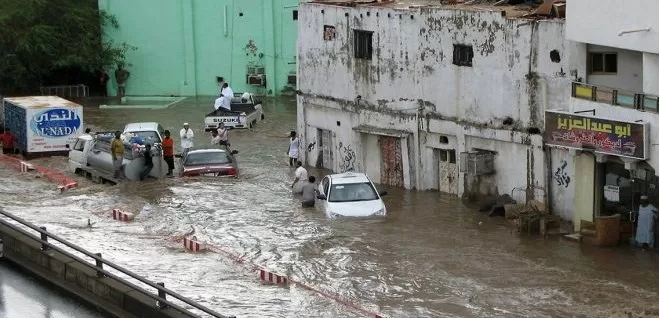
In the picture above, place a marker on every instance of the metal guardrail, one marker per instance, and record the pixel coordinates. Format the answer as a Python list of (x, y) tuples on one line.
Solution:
[(79, 90), (160, 298)]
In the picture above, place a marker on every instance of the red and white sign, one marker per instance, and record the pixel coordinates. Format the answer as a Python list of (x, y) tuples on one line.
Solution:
[(272, 278), (68, 186), (193, 244), (25, 167), (122, 216)]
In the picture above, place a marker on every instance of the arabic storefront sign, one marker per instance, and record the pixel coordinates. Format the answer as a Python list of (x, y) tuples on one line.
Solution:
[(597, 134)]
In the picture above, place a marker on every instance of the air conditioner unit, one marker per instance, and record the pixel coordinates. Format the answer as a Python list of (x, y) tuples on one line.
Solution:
[(477, 163), (256, 80), (260, 70), (292, 79), (251, 71)]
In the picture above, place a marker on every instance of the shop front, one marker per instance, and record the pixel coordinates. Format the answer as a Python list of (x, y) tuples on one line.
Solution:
[(611, 171)]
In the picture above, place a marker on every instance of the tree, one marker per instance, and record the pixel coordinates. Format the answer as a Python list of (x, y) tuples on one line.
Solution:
[(38, 37)]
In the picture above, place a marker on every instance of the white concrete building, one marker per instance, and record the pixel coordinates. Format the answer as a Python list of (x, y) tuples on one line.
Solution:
[(608, 167), (447, 97)]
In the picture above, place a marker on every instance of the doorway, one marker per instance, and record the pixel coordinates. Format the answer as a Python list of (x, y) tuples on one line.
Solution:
[(391, 169), (448, 171), (325, 153)]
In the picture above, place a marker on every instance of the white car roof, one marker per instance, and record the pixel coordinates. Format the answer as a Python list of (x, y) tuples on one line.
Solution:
[(150, 126), (206, 150), (349, 177)]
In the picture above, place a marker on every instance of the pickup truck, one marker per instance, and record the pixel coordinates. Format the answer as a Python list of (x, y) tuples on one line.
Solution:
[(246, 110), (90, 155)]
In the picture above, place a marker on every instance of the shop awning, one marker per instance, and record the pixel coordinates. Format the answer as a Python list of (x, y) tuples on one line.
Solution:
[(381, 131)]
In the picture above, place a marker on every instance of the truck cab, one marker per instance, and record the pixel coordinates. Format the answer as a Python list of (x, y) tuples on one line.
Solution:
[(150, 132), (77, 151)]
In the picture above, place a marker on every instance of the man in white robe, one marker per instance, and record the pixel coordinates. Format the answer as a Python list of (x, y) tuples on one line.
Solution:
[(647, 214)]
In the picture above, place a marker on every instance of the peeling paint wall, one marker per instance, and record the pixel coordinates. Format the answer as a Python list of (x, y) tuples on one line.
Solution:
[(412, 61), (515, 75)]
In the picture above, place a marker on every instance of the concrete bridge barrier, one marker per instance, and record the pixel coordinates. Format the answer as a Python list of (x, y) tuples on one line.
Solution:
[(90, 282)]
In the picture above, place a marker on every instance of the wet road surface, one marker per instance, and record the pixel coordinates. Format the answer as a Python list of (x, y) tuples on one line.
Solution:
[(429, 257), (22, 297)]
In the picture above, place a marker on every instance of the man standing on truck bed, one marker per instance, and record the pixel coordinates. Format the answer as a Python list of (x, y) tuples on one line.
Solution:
[(117, 149), (168, 152)]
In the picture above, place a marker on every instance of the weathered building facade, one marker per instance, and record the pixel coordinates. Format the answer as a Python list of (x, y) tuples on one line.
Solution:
[(438, 97), (603, 144)]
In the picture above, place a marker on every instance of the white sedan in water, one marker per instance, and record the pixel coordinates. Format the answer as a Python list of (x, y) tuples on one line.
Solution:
[(350, 194)]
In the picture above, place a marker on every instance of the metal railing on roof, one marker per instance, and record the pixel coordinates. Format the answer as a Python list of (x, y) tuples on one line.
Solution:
[(617, 97), (160, 297)]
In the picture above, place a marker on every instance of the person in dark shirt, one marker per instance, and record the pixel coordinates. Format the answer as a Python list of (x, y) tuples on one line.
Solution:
[(309, 193), (148, 162)]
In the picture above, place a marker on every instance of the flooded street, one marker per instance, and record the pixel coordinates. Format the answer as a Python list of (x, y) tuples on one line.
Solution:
[(429, 257)]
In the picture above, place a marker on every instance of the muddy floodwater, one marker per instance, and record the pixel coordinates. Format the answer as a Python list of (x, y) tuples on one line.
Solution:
[(430, 257)]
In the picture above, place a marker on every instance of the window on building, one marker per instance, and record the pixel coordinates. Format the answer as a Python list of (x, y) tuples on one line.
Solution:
[(462, 54), (606, 63), (294, 14), (363, 44), (451, 156), (329, 32), (443, 140), (443, 155)]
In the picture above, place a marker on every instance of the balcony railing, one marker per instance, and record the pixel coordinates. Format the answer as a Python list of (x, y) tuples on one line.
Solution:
[(615, 97)]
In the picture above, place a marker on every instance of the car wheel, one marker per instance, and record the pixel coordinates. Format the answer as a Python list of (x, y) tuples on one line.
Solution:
[(262, 116), (251, 125)]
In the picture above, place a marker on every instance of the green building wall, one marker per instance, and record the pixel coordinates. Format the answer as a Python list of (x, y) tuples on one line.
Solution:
[(183, 45)]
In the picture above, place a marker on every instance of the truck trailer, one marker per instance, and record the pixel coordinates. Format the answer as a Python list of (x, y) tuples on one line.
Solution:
[(42, 125)]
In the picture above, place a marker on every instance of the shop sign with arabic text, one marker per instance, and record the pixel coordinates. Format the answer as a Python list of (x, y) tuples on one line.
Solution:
[(600, 135)]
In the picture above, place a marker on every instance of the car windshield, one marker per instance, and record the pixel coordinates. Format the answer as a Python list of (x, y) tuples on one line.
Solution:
[(207, 158), (150, 137), (352, 192)]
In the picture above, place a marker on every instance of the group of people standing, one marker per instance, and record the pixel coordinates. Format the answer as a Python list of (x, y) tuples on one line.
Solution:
[(118, 148), (303, 183)]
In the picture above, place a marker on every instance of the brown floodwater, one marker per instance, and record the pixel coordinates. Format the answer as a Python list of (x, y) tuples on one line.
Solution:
[(430, 257)]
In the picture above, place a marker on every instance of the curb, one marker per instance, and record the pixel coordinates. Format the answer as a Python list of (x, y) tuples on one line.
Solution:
[(272, 278), (62, 180)]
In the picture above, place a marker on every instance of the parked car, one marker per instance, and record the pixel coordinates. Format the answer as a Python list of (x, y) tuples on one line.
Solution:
[(350, 194), (211, 162)]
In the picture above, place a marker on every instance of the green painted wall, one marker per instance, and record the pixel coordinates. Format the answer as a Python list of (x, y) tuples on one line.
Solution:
[(183, 45)]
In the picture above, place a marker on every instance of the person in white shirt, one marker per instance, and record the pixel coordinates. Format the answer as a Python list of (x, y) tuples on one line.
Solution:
[(227, 91), (222, 104), (301, 178), (187, 136), (293, 149)]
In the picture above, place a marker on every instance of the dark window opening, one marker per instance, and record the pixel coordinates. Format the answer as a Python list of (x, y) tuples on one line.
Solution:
[(463, 54), (443, 155), (363, 44), (294, 14), (443, 140), (603, 63), (554, 56), (329, 33), (451, 156)]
